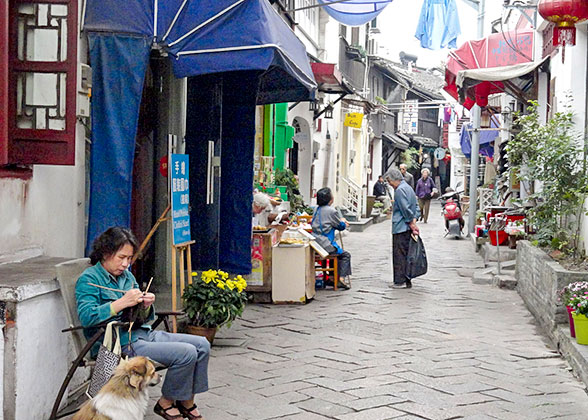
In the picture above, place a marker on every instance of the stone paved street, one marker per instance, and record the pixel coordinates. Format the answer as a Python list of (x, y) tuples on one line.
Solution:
[(445, 349)]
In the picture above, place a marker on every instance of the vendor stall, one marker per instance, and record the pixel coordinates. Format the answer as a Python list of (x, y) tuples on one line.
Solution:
[(259, 282)]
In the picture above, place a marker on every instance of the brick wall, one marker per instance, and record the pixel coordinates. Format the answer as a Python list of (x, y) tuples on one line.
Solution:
[(539, 278)]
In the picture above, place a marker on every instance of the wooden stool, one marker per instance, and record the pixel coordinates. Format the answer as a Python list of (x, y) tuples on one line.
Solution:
[(334, 267)]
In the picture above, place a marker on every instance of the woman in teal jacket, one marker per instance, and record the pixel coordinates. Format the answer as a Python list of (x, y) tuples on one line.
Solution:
[(185, 356), (325, 222)]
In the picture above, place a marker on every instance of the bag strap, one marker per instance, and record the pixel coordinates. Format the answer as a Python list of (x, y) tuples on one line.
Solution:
[(107, 342), (117, 348)]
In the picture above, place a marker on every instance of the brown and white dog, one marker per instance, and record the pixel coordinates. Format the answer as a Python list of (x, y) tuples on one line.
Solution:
[(125, 396)]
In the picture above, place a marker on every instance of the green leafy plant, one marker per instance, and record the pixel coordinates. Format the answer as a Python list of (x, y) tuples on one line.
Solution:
[(287, 178), (380, 100), (378, 205), (552, 154), (409, 157), (214, 299)]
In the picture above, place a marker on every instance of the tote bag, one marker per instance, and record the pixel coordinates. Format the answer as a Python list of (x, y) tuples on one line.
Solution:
[(417, 258), (106, 362)]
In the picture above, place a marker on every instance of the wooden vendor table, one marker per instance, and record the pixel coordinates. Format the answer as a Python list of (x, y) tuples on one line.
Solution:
[(260, 280), (293, 275)]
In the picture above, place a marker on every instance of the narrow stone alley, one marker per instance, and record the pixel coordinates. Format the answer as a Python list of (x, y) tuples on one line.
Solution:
[(445, 349)]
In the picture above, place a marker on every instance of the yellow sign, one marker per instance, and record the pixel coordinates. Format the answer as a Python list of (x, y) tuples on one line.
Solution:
[(353, 119)]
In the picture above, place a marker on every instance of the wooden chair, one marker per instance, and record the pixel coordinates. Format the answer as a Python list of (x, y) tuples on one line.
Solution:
[(67, 276), (328, 265)]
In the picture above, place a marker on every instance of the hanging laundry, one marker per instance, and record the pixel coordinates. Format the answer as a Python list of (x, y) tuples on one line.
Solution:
[(438, 25)]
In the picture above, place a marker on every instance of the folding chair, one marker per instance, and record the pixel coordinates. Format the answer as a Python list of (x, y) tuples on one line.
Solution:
[(67, 276)]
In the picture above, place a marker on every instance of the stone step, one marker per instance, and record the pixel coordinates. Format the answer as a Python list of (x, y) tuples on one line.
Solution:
[(505, 281), (490, 254), (360, 225)]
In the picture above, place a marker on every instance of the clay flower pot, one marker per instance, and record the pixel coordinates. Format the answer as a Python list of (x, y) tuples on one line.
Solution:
[(209, 333)]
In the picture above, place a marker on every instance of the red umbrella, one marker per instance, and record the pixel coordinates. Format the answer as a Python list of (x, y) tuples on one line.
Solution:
[(497, 50)]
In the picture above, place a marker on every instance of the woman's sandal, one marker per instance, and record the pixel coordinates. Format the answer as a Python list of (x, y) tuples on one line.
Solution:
[(187, 412), (160, 411)]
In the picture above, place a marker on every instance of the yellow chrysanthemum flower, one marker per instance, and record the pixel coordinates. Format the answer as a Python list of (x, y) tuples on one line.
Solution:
[(208, 276), (194, 273), (223, 275), (220, 284), (231, 284), (239, 287)]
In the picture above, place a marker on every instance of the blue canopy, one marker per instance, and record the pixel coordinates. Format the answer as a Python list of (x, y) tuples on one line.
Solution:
[(246, 39), (487, 137), (213, 36), (354, 12)]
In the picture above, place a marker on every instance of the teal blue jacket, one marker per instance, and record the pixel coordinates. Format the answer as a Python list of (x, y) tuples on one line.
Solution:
[(94, 303)]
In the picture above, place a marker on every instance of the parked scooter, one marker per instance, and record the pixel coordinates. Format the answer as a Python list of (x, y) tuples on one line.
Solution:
[(451, 205)]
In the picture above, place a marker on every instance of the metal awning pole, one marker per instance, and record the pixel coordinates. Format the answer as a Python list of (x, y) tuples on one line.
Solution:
[(475, 159)]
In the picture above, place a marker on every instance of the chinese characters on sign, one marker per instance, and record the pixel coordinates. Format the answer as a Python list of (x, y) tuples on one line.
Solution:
[(180, 198), (410, 117)]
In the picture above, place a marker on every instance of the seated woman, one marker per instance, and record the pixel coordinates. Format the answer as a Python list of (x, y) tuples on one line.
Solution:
[(325, 222), (186, 356)]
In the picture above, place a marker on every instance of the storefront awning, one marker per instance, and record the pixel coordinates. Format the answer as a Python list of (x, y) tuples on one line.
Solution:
[(494, 51), (514, 80), (396, 141), (329, 78), (425, 141), (200, 37), (214, 36)]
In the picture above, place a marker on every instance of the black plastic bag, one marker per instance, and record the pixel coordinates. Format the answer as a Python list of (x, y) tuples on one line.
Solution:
[(416, 260)]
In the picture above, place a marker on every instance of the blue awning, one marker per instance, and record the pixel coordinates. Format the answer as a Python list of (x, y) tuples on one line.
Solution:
[(213, 36), (354, 12)]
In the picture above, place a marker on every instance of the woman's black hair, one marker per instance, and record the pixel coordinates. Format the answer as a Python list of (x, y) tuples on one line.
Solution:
[(110, 241), (324, 196)]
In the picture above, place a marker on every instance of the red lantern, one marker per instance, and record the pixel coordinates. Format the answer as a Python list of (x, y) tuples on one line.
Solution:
[(565, 14)]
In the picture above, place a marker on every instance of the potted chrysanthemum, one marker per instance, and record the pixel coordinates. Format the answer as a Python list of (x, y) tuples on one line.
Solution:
[(212, 300)]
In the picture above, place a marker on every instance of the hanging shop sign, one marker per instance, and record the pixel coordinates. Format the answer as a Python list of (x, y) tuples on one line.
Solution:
[(440, 153), (410, 117), (180, 198), (353, 119)]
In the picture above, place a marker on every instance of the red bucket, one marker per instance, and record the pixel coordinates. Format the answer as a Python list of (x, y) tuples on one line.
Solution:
[(572, 328), (502, 237)]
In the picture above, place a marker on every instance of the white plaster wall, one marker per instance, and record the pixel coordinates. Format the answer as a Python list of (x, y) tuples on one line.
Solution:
[(376, 168), (42, 355), (47, 211)]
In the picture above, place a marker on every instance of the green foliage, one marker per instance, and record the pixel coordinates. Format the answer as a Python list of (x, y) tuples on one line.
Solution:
[(380, 100), (409, 157), (552, 154), (214, 300), (287, 178)]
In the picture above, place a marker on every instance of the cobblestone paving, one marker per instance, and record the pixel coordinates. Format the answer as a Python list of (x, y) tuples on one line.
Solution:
[(445, 349)]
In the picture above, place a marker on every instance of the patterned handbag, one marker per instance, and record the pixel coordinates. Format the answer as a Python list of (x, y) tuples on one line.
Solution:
[(106, 362)]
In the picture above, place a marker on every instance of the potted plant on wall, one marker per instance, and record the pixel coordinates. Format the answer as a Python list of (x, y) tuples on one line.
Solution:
[(213, 300), (579, 303), (565, 296)]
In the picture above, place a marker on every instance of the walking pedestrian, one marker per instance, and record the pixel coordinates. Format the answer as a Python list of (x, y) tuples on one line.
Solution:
[(407, 175), (424, 191), (403, 226), (325, 221)]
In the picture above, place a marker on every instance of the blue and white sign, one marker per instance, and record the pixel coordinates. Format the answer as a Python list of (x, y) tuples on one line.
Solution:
[(180, 198)]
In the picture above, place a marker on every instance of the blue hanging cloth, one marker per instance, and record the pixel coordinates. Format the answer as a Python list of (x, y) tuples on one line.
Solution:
[(354, 12), (438, 25)]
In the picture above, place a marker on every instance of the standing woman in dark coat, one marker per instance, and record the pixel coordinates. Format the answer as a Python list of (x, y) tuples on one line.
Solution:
[(325, 222), (424, 192)]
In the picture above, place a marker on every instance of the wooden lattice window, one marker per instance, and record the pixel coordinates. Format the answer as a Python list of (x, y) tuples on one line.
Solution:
[(42, 64)]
